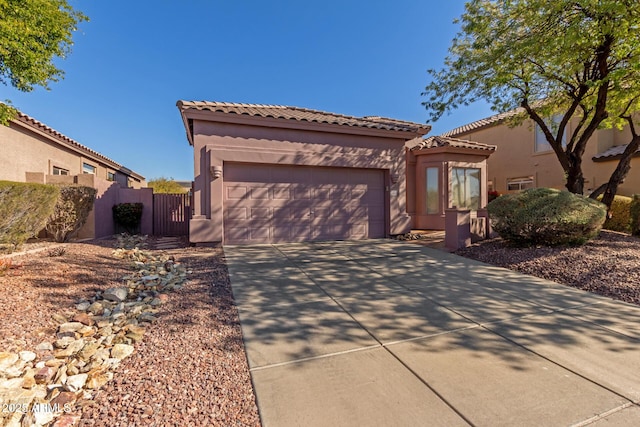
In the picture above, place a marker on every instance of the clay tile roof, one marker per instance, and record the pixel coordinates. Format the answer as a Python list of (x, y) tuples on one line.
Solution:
[(483, 123), (305, 114), (443, 141), (612, 153), (38, 125)]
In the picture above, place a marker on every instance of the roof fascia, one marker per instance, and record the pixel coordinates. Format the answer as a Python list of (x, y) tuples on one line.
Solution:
[(212, 116), (454, 150)]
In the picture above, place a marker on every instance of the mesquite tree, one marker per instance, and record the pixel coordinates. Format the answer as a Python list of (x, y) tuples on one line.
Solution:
[(34, 34), (578, 61)]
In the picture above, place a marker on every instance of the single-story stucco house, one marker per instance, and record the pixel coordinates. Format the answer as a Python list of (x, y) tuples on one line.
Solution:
[(271, 173)]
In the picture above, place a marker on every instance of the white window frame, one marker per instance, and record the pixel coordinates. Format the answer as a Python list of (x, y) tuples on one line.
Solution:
[(111, 176), (57, 170), (522, 183)]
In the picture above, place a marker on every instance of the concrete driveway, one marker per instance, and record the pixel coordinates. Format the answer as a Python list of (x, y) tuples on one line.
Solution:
[(394, 334)]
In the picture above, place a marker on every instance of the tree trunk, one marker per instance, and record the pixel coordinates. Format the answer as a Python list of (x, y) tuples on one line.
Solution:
[(575, 177), (619, 174)]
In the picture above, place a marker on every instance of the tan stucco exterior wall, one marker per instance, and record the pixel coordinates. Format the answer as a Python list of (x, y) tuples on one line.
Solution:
[(25, 151), (515, 157)]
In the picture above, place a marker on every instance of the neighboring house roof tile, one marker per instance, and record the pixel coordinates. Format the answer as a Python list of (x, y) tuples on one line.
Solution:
[(443, 141), (612, 153), (483, 123), (305, 114), (38, 125)]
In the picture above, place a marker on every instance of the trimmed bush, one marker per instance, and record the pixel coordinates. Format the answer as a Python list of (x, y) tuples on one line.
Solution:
[(128, 216), (545, 216), (634, 213), (620, 213), (71, 211), (24, 210)]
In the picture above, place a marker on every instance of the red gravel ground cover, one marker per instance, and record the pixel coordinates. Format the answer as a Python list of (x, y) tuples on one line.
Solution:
[(189, 370), (608, 265)]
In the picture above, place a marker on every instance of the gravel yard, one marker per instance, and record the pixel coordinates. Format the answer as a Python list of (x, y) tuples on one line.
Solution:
[(189, 370), (608, 265)]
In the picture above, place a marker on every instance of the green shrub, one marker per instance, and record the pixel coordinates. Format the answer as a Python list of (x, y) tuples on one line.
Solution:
[(620, 213), (24, 209), (128, 215), (545, 216), (71, 211), (634, 213)]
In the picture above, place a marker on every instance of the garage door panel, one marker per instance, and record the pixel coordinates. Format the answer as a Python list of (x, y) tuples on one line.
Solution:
[(282, 193), (236, 235), (260, 193), (237, 213), (331, 232), (299, 203), (261, 213), (259, 234), (340, 215), (322, 193), (300, 233), (302, 193), (237, 192)]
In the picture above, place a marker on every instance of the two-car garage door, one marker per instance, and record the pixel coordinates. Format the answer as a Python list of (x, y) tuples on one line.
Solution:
[(274, 203)]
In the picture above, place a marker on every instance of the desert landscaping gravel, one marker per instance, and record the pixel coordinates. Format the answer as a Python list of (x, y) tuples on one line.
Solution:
[(189, 370), (608, 265)]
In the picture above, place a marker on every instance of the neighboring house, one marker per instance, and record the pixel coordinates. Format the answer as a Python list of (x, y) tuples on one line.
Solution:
[(523, 158), (269, 173), (34, 152)]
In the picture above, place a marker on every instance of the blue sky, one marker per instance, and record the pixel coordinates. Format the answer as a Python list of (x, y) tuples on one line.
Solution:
[(133, 60)]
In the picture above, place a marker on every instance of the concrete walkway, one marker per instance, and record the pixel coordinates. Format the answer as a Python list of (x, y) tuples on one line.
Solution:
[(384, 333)]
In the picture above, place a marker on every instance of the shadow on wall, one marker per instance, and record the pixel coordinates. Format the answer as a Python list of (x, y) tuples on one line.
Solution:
[(109, 194)]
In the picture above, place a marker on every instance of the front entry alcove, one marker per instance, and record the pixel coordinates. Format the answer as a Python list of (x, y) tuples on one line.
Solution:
[(447, 173)]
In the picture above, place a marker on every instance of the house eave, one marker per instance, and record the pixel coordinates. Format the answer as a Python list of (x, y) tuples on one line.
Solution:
[(25, 122), (190, 114)]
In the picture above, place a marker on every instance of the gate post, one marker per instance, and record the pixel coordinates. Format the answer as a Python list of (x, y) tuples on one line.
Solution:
[(457, 228)]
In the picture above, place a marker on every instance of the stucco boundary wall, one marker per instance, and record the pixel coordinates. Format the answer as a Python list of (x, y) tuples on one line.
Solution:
[(109, 193)]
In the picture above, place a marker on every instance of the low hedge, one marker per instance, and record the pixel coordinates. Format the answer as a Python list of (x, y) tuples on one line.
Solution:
[(545, 216), (620, 215), (71, 211), (24, 210)]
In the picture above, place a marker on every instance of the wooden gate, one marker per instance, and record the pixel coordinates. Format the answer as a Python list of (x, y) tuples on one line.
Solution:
[(171, 214)]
